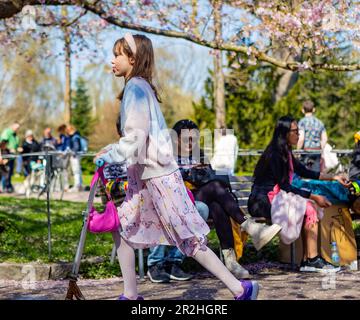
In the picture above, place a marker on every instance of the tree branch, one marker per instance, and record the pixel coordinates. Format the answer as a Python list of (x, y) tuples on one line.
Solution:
[(10, 8)]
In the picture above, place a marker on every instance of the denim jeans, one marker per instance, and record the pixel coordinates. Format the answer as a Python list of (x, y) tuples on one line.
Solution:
[(162, 254), (19, 164), (6, 179), (75, 163), (158, 255)]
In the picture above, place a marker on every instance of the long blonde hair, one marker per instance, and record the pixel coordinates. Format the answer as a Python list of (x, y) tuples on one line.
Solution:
[(144, 65)]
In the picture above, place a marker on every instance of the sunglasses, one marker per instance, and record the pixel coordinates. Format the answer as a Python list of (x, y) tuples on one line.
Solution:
[(296, 131)]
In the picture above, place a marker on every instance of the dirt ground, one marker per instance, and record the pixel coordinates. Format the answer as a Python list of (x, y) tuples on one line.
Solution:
[(275, 284)]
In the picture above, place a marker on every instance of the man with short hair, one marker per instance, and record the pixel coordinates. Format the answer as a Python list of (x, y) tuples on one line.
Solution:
[(48, 140), (10, 135), (312, 136)]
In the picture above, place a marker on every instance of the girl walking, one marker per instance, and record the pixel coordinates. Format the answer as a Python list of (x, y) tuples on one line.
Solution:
[(157, 209)]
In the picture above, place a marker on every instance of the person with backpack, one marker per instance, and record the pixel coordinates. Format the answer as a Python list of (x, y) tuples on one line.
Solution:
[(76, 146)]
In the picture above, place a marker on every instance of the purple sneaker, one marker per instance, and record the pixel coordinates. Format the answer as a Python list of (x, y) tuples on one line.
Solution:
[(122, 297), (251, 290)]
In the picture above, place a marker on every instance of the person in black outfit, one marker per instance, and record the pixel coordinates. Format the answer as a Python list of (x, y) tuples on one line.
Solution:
[(30, 145), (354, 173), (215, 192), (273, 169), (4, 169)]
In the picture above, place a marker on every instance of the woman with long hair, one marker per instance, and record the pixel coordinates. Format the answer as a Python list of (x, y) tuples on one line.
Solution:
[(273, 175)]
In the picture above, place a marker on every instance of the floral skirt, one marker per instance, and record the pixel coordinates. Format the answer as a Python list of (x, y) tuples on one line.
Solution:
[(159, 211)]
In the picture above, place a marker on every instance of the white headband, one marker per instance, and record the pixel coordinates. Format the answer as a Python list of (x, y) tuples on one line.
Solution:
[(131, 42)]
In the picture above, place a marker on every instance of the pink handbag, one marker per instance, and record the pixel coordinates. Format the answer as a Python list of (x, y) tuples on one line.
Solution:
[(107, 221)]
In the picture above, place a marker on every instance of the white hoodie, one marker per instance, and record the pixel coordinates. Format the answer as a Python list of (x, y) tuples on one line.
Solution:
[(145, 139)]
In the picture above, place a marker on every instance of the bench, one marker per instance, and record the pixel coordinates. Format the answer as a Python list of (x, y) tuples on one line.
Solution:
[(241, 186)]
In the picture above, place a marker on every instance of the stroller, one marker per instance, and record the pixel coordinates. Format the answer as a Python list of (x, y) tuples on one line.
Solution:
[(110, 183)]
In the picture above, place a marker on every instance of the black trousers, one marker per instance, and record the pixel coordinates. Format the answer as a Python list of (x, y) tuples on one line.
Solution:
[(222, 205)]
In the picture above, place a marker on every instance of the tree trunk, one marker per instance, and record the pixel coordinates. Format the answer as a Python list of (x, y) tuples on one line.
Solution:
[(287, 80), (67, 51), (219, 81)]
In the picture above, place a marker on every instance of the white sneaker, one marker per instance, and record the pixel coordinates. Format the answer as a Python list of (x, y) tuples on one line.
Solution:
[(233, 266), (260, 233)]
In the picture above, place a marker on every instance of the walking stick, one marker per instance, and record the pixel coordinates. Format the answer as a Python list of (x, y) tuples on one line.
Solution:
[(73, 289)]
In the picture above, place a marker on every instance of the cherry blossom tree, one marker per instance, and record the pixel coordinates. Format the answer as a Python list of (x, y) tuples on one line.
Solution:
[(318, 26), (294, 35)]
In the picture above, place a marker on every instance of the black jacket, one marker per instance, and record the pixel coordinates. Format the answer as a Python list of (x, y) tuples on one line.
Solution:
[(259, 203), (267, 182), (30, 148), (354, 173)]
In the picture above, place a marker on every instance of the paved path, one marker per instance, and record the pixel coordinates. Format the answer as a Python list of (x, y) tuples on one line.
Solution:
[(68, 196), (274, 284)]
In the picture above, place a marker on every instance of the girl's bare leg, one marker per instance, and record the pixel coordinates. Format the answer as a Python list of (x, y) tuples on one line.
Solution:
[(209, 260), (126, 257)]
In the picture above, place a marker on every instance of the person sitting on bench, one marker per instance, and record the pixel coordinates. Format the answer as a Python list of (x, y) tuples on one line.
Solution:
[(215, 191), (273, 195)]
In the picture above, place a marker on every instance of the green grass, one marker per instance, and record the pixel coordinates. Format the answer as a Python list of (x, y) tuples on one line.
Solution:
[(25, 233), (24, 236)]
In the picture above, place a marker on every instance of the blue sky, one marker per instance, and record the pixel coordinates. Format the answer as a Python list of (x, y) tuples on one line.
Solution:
[(197, 59)]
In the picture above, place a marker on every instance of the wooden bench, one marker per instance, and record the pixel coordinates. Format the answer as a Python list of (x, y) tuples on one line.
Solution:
[(241, 186)]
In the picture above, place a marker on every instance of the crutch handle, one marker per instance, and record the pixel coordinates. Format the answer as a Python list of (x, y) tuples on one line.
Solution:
[(99, 162)]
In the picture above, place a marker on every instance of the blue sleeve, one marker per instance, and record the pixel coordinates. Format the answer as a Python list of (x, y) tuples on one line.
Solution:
[(76, 144), (301, 125), (322, 127)]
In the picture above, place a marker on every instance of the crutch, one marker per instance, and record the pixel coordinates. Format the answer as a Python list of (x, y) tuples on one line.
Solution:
[(73, 289)]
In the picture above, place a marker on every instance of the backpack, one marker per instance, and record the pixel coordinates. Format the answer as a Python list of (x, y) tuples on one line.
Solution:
[(83, 144)]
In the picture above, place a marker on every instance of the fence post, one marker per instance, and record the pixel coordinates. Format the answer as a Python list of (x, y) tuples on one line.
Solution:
[(47, 172)]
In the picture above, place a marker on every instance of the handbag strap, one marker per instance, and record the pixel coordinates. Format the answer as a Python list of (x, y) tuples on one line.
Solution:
[(99, 174)]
